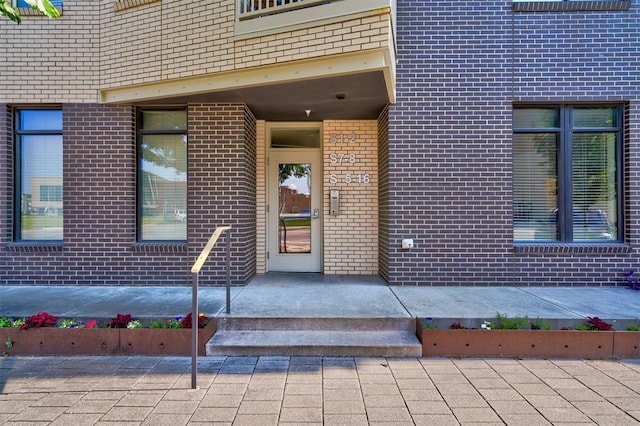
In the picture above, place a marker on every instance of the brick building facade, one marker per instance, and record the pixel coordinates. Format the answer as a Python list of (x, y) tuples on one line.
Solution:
[(408, 112)]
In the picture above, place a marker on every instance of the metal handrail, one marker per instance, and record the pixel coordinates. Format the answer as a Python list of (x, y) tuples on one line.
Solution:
[(195, 270)]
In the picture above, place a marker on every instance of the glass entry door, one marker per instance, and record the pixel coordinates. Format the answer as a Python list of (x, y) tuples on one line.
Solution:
[(295, 206)]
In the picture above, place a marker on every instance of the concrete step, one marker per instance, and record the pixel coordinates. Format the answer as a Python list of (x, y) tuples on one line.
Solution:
[(315, 337)]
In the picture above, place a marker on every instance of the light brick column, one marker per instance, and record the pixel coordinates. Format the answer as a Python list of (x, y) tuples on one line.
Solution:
[(350, 159)]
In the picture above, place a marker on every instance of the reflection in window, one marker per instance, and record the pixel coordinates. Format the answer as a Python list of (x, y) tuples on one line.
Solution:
[(294, 203), (39, 194), (535, 186), (162, 177), (22, 3)]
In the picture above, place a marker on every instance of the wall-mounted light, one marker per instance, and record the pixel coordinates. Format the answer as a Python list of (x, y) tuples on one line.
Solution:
[(308, 112)]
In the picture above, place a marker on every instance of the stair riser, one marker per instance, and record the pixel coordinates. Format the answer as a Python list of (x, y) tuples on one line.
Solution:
[(337, 324), (374, 351)]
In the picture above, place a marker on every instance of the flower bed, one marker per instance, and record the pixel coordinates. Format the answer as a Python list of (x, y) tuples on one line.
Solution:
[(488, 341), (80, 340)]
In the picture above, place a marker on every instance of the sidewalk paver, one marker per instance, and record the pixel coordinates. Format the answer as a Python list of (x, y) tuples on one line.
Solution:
[(316, 390)]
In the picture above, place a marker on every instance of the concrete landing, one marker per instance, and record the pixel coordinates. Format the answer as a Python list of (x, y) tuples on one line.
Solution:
[(317, 296)]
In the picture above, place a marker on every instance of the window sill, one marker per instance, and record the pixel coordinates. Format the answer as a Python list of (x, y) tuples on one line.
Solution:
[(160, 247), (35, 246), (569, 6), (121, 5), (569, 248)]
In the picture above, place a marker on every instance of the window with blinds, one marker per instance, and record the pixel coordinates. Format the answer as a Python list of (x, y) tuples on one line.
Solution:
[(566, 173), (162, 175), (39, 196)]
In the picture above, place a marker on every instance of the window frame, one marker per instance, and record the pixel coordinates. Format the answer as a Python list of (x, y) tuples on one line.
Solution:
[(565, 133), (140, 132), (18, 133)]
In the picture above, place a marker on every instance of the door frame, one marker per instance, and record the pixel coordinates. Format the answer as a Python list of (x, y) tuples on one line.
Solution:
[(294, 262)]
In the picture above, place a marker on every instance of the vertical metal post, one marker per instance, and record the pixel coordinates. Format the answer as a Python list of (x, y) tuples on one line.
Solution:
[(194, 332), (228, 272)]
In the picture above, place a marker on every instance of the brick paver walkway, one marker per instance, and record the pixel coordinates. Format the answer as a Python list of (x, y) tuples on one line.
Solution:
[(315, 390)]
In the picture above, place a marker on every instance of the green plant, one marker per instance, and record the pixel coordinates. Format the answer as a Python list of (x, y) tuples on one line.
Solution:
[(427, 323), (45, 7), (18, 323), (67, 323), (516, 323), (134, 324), (9, 344), (539, 324), (633, 327), (170, 323), (487, 325), (6, 322)]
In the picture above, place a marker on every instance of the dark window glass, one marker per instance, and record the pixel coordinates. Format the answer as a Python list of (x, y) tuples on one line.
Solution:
[(538, 118)]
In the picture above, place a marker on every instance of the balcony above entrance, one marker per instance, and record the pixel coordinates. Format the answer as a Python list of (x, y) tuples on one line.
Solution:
[(334, 58), (257, 17)]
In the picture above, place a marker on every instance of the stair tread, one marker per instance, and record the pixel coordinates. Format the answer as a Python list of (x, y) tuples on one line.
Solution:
[(312, 323)]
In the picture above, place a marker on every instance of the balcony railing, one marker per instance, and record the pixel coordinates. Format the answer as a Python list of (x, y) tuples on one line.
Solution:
[(263, 17), (249, 9)]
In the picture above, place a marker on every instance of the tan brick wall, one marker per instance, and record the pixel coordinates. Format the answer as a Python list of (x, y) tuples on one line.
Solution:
[(344, 37), (203, 46), (261, 198), (152, 42), (131, 44), (51, 60), (350, 161), (106, 44)]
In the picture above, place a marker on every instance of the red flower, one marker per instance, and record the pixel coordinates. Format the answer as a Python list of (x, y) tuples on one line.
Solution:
[(41, 319), (120, 321), (596, 323), (187, 321)]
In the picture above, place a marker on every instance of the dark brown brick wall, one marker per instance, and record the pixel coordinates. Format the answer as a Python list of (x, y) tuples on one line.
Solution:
[(383, 194), (222, 187), (100, 246), (449, 146), (6, 173), (462, 66)]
